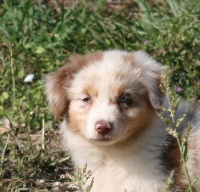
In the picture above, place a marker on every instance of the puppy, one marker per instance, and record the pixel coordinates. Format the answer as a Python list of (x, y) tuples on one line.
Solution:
[(109, 102)]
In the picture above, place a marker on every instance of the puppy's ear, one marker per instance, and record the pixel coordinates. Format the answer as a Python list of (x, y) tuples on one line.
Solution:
[(152, 77), (55, 88), (153, 81)]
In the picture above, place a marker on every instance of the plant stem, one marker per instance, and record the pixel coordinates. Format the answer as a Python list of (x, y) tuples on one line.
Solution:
[(184, 162), (180, 145), (12, 110)]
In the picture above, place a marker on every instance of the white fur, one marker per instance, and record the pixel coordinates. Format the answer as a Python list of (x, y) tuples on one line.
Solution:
[(129, 168)]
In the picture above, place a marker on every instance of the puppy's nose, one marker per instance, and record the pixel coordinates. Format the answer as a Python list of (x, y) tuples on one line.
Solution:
[(103, 127)]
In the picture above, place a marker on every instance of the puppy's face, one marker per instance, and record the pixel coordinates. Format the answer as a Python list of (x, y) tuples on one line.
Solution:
[(107, 96)]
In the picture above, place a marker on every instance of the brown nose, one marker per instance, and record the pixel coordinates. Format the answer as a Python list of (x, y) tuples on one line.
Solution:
[(103, 127)]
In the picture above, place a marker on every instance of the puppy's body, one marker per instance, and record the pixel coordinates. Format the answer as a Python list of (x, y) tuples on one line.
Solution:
[(109, 102)]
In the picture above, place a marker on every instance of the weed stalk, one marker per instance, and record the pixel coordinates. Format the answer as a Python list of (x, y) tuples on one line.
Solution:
[(12, 109), (173, 126)]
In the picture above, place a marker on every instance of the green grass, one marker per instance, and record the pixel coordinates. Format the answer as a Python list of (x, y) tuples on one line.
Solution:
[(38, 36)]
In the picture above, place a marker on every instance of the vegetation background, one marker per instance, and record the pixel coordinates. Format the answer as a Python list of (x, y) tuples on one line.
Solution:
[(36, 37)]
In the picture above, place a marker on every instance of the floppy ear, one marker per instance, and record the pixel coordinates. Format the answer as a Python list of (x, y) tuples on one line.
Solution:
[(151, 77), (153, 81), (55, 88)]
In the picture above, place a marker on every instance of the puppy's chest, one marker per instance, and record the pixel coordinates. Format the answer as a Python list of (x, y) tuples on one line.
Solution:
[(121, 172)]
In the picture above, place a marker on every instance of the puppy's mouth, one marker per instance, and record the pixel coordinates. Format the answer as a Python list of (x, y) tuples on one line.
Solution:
[(102, 138)]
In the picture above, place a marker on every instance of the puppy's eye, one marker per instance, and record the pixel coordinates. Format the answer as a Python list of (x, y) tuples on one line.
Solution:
[(86, 99), (125, 100)]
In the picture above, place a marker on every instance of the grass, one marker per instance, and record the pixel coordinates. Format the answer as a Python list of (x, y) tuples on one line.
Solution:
[(37, 37)]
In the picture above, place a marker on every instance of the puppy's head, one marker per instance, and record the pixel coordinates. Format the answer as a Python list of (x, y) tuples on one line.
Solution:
[(106, 96)]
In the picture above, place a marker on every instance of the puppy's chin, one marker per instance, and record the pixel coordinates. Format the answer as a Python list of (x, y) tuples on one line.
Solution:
[(102, 141)]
